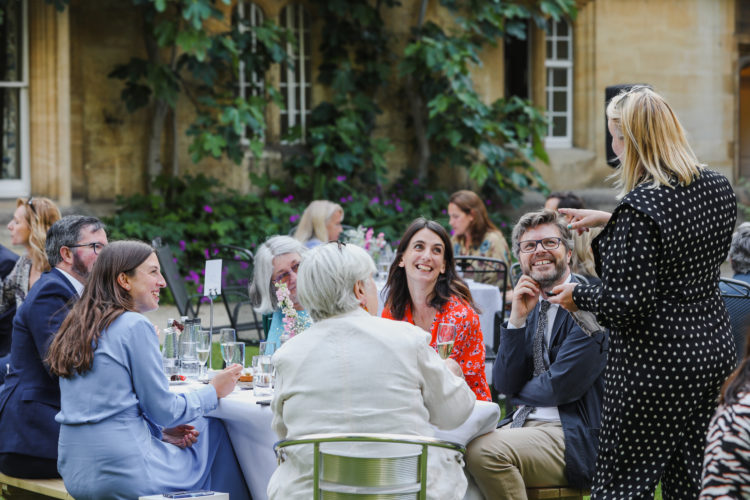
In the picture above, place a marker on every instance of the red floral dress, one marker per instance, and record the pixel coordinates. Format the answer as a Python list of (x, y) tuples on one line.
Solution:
[(468, 349)]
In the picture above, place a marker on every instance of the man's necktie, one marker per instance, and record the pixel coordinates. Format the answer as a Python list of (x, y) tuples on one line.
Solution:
[(539, 367)]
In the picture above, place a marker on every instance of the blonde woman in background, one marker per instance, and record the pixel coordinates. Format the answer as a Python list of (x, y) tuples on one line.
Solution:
[(320, 223), (28, 228)]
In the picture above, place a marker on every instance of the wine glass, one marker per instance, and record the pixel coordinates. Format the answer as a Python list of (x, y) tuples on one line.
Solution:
[(204, 351), (446, 335), (228, 340)]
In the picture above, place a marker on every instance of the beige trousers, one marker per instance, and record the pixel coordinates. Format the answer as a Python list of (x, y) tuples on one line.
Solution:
[(504, 462)]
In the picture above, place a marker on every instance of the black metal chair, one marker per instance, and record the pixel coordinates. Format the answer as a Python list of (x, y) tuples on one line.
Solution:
[(736, 295), (515, 273), (236, 275), (187, 304)]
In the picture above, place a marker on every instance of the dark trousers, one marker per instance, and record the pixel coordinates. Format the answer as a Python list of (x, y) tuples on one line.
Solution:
[(28, 467)]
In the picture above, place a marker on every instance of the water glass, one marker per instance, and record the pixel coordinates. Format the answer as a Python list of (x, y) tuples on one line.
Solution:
[(189, 364), (203, 350), (262, 376), (228, 339), (267, 348), (446, 335), (169, 352), (238, 354)]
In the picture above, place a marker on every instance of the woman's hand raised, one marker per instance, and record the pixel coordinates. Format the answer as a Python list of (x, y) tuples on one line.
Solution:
[(581, 220), (226, 379)]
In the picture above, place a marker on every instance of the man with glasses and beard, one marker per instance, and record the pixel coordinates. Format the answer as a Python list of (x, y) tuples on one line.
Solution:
[(552, 368), (30, 398)]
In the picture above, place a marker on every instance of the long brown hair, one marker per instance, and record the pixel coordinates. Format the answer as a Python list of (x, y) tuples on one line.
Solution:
[(739, 381), (448, 283), (471, 204), (103, 301)]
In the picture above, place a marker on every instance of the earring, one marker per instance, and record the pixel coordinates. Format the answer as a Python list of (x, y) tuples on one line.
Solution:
[(364, 306)]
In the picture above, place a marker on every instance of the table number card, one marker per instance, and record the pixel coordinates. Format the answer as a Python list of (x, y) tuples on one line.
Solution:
[(212, 279)]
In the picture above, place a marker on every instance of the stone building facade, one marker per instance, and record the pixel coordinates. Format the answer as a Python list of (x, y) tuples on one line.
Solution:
[(67, 134)]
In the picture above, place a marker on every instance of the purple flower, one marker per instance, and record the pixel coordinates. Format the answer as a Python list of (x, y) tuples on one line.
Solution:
[(488, 202), (244, 265), (193, 276), (375, 201), (216, 251), (503, 224), (293, 218), (341, 178), (443, 211), (174, 259), (208, 209), (342, 199), (387, 202), (415, 182), (200, 289), (349, 198), (398, 208), (205, 252), (288, 198), (182, 245), (428, 197)]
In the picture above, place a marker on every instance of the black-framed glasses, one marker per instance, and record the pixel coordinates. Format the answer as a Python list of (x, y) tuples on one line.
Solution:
[(529, 246), (95, 246), (287, 275)]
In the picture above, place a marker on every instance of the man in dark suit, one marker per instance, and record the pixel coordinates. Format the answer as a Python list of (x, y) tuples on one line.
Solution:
[(30, 398), (552, 367), (7, 261)]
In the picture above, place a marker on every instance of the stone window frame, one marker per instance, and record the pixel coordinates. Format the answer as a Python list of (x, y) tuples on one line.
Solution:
[(20, 185), (249, 83), (295, 81), (555, 64)]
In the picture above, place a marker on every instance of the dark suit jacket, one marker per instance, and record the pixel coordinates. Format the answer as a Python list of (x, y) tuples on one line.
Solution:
[(574, 383), (30, 398), (7, 261)]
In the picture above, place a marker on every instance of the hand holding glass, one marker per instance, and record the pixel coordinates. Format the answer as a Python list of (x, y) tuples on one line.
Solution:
[(446, 335)]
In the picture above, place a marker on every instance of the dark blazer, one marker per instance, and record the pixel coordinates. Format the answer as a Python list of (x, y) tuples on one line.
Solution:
[(30, 398), (574, 383), (7, 261)]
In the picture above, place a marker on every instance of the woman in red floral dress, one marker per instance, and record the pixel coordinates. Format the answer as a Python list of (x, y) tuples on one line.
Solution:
[(424, 290)]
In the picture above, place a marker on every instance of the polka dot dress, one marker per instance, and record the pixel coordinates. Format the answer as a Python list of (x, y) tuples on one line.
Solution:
[(670, 346)]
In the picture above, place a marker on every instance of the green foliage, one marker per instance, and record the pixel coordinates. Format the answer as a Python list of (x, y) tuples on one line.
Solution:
[(497, 142)]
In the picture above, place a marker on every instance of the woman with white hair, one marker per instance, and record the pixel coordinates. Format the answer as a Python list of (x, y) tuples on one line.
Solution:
[(276, 263), (355, 372), (320, 223)]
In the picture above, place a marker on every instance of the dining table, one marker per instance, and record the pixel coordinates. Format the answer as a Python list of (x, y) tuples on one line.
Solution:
[(247, 419)]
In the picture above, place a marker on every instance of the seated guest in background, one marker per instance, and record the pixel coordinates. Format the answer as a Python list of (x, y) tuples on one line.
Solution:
[(424, 290), (123, 433), (563, 199), (277, 261), (551, 367), (28, 228), (320, 223), (582, 260), (8, 260), (30, 397), (739, 259), (352, 372), (726, 467), (475, 234)]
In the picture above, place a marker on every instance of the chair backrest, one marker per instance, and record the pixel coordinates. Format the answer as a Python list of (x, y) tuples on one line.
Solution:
[(736, 295), (236, 276), (174, 280), (515, 273), (480, 268), (581, 279), (388, 466)]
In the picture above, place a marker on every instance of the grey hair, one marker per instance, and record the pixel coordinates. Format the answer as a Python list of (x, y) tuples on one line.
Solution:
[(66, 232), (534, 219), (262, 292), (327, 275), (739, 251)]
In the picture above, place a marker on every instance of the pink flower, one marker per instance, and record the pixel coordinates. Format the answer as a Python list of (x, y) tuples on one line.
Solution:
[(208, 209)]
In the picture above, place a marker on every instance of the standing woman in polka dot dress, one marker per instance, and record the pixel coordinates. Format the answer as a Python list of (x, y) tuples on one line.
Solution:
[(671, 347)]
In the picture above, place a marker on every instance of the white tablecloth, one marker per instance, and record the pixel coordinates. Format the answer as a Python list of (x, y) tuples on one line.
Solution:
[(486, 297), (249, 428)]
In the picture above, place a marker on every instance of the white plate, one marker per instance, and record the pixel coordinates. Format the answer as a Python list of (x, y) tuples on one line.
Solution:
[(178, 382)]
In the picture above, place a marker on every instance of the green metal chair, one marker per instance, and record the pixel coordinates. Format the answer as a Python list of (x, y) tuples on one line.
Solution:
[(395, 470)]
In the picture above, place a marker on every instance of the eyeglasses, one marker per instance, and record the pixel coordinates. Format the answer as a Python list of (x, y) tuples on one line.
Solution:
[(287, 275), (96, 247), (529, 246)]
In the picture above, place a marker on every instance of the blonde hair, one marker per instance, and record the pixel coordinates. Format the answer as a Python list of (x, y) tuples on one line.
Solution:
[(314, 219), (655, 147), (582, 258), (41, 213)]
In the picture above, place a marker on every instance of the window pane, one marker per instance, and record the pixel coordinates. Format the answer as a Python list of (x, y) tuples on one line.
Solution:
[(10, 133), (559, 101), (559, 126), (562, 28), (550, 49), (559, 77), (562, 51), (11, 41), (294, 18)]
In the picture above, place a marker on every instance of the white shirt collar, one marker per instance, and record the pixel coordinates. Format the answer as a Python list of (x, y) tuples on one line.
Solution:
[(73, 281)]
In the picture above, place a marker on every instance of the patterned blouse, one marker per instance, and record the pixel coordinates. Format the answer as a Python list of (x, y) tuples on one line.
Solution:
[(495, 246), (16, 284), (468, 349), (726, 465)]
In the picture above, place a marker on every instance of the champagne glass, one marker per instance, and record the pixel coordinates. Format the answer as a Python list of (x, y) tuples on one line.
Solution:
[(446, 336), (228, 340), (204, 351)]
